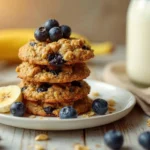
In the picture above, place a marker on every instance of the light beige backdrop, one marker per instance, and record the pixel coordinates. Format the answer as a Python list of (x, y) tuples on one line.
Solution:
[(99, 20)]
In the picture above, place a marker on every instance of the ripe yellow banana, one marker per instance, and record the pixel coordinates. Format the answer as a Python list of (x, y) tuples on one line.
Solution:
[(9, 95), (12, 39)]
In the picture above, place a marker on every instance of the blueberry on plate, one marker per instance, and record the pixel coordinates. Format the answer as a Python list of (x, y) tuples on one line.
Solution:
[(100, 106), (43, 87), (55, 34), (50, 24), (66, 31), (114, 139), (55, 59), (68, 112), (144, 140), (48, 110), (17, 109), (41, 34)]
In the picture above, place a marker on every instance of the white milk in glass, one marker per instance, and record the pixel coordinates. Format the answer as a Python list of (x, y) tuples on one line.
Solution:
[(138, 41)]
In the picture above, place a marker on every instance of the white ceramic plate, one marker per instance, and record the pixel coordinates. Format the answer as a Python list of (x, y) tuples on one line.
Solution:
[(125, 102)]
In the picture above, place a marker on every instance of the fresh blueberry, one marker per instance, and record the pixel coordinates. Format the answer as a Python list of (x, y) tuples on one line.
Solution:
[(55, 72), (41, 34), (144, 140), (23, 88), (48, 110), (43, 87), (100, 106), (17, 109), (55, 34), (76, 83), (85, 47), (114, 139), (67, 113), (55, 59), (32, 43), (66, 31), (50, 24)]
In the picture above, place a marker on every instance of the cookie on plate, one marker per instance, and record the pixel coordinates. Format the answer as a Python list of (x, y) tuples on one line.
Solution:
[(67, 73), (54, 93), (47, 109), (64, 51)]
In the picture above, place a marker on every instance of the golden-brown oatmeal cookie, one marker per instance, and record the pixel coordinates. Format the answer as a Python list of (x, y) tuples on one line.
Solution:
[(54, 93), (67, 73), (64, 51), (36, 108)]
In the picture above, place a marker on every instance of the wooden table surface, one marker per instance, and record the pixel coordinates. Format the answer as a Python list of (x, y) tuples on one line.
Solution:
[(21, 139)]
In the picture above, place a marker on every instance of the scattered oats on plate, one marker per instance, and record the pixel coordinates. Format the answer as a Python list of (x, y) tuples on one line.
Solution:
[(111, 105), (95, 94), (32, 116), (148, 122), (88, 114)]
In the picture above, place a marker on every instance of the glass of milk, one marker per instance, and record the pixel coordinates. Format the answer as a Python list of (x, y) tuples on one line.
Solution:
[(138, 41)]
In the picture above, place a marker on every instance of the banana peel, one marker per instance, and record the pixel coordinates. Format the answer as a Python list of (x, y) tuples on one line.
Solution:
[(12, 39)]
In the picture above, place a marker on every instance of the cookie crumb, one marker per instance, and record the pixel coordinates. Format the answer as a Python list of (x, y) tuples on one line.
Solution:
[(80, 147), (111, 102), (41, 118), (111, 105), (148, 122), (88, 114), (111, 109), (97, 145), (32, 116), (95, 94), (41, 137), (39, 147)]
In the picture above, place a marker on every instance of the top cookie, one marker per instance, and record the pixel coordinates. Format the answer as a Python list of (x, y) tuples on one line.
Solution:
[(64, 51)]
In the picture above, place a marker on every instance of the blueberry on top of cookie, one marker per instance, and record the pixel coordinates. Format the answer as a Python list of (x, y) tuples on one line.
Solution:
[(66, 31), (51, 23), (52, 31), (55, 34), (41, 34)]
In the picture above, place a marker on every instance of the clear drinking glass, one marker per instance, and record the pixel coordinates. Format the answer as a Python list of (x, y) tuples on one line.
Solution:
[(138, 41)]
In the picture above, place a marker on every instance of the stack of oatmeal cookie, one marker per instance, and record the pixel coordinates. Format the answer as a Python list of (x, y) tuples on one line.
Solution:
[(52, 73)]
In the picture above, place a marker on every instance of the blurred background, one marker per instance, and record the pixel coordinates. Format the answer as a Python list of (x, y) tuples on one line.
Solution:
[(98, 20)]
